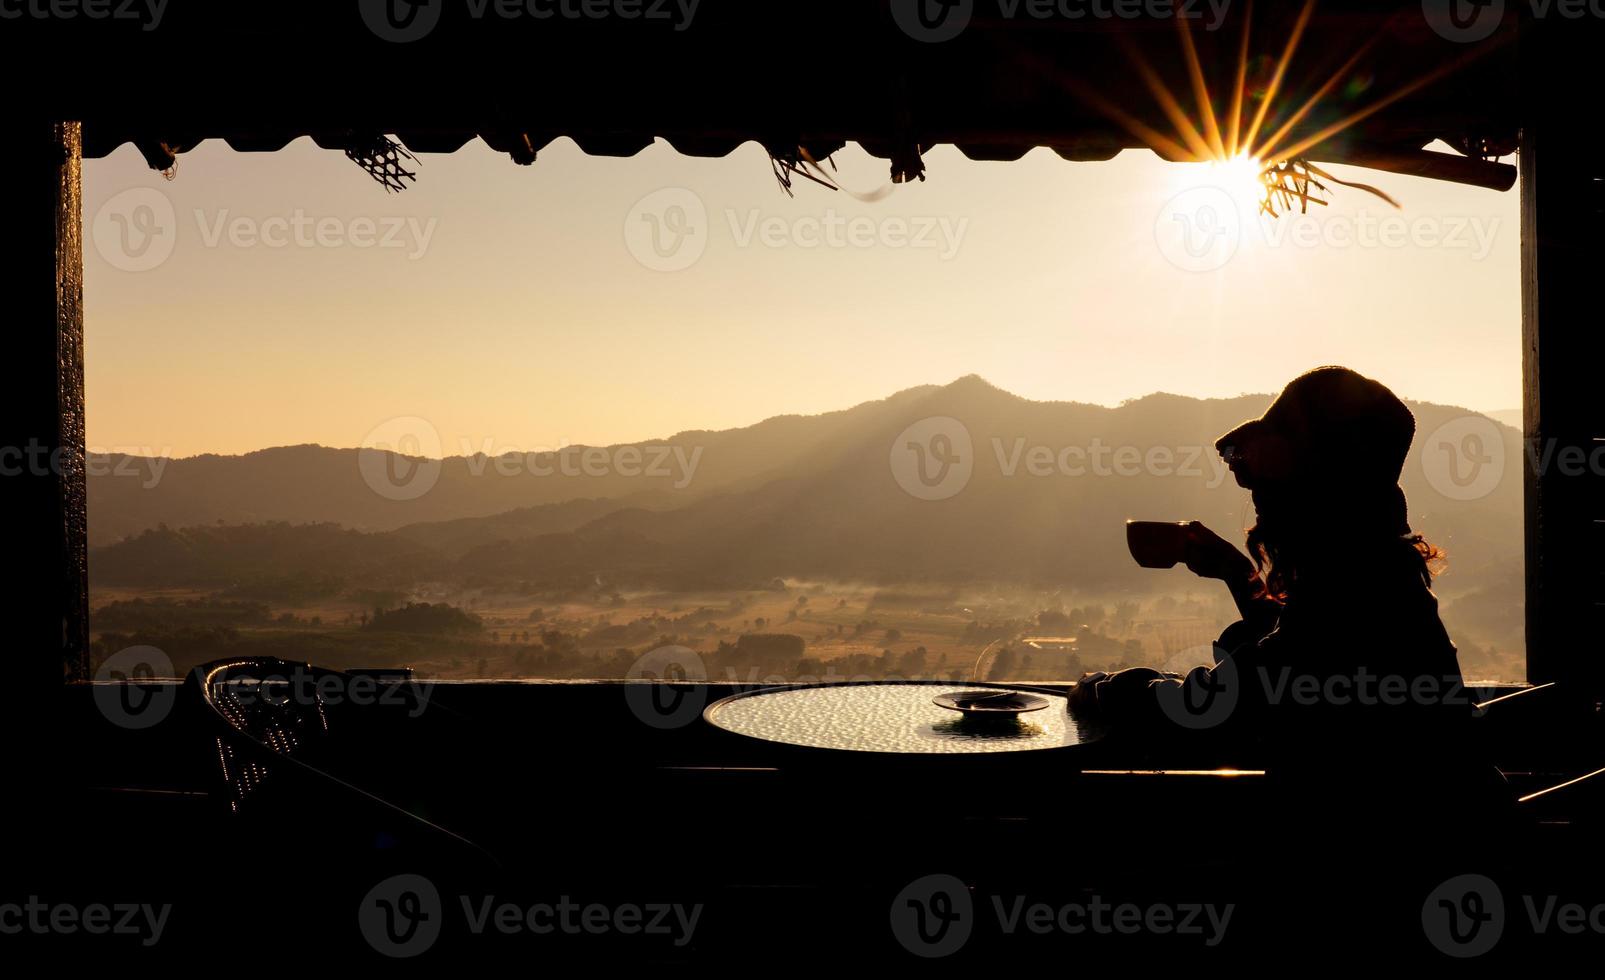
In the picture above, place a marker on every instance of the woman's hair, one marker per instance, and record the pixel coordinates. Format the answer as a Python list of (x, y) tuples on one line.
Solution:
[(1340, 533)]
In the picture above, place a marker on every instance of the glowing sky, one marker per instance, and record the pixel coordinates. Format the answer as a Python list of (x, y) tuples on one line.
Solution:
[(513, 310)]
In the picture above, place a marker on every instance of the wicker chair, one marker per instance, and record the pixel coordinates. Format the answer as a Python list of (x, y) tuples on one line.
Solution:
[(287, 751)]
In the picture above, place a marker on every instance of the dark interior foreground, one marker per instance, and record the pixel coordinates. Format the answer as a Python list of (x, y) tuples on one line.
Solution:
[(268, 837), (533, 793)]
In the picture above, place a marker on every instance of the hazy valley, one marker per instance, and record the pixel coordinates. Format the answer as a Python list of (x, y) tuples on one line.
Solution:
[(791, 548)]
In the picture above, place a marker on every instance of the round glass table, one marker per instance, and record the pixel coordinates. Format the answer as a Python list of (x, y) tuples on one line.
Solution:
[(895, 717)]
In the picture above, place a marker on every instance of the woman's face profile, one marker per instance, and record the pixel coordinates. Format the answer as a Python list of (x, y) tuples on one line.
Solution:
[(1256, 455)]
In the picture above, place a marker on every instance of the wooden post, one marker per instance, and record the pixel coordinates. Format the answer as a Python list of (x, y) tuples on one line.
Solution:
[(1563, 343), (42, 479)]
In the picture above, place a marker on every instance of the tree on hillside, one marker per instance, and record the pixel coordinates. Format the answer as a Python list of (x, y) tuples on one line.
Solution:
[(422, 617), (1003, 666)]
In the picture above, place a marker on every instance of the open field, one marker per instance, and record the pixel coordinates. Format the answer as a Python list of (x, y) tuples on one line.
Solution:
[(842, 631)]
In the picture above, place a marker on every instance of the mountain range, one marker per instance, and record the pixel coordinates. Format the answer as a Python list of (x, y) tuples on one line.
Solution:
[(1042, 499)]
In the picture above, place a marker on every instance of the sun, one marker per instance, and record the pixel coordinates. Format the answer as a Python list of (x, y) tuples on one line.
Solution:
[(1239, 176)]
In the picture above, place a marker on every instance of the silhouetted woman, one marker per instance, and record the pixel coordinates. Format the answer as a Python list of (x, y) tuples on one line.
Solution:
[(1339, 679)]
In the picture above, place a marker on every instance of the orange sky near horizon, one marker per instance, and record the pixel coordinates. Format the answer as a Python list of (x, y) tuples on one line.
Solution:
[(272, 299)]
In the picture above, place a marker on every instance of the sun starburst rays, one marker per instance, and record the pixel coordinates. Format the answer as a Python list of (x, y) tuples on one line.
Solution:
[(1275, 86), (1275, 162)]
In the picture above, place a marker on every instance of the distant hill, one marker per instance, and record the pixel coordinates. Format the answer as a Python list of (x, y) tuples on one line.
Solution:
[(794, 496), (1507, 416), (315, 484)]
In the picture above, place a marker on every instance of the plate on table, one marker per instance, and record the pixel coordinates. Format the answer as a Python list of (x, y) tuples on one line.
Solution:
[(991, 704)]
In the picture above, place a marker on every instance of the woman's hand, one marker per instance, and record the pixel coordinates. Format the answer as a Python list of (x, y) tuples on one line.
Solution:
[(1109, 700), (1208, 555)]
